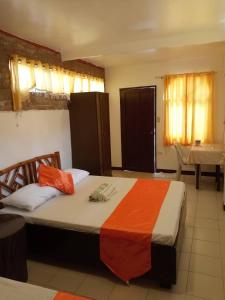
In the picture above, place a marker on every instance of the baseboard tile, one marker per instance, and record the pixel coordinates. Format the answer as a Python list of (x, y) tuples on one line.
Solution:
[(184, 172)]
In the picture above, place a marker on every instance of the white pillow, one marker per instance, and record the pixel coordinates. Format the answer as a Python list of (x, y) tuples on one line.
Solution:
[(77, 174), (30, 196)]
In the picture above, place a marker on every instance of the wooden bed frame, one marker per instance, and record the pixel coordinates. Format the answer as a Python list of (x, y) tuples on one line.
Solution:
[(76, 247), (25, 172)]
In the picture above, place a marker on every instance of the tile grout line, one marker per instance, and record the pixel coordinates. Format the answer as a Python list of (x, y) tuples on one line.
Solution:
[(217, 258), (82, 281), (113, 288), (223, 284), (188, 276), (43, 284), (219, 243)]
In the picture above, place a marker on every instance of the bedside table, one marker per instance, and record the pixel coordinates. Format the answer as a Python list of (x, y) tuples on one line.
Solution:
[(13, 252)]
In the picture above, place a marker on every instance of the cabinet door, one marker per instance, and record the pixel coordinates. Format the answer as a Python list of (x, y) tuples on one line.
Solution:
[(84, 132), (104, 134)]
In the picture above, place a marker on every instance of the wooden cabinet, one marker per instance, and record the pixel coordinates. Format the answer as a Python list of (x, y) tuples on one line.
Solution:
[(90, 132)]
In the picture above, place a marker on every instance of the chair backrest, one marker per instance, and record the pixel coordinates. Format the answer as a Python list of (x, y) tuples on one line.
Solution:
[(182, 153)]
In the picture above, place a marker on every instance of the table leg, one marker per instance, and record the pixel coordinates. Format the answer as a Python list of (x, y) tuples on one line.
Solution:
[(218, 177), (197, 174)]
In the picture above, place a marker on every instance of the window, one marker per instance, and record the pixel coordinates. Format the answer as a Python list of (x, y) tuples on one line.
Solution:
[(188, 108), (32, 76)]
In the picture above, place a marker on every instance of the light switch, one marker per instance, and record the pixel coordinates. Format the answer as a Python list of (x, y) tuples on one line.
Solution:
[(158, 119)]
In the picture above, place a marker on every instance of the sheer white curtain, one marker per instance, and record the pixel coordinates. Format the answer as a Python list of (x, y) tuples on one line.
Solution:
[(29, 75)]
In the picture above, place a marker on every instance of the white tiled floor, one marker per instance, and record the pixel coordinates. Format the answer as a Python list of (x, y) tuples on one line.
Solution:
[(201, 269)]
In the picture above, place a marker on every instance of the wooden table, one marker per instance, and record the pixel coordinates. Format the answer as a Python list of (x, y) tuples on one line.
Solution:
[(213, 154)]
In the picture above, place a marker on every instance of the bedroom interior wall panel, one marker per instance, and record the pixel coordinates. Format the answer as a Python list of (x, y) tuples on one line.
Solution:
[(145, 74), (31, 133), (44, 126), (10, 45)]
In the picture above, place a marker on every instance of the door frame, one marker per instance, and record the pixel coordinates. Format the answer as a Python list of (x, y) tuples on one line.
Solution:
[(122, 124)]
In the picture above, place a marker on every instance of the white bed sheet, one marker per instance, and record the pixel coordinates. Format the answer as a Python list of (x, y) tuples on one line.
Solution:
[(15, 290), (76, 212)]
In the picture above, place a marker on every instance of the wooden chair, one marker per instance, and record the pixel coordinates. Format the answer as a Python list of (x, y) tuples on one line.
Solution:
[(182, 157)]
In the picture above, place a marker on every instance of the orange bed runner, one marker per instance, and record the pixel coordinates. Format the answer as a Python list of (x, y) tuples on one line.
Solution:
[(66, 296), (125, 237)]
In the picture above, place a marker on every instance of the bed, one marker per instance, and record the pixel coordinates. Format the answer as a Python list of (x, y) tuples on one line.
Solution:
[(11, 289), (76, 224)]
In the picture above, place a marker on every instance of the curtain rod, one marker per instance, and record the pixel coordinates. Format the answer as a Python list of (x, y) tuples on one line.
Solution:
[(163, 76)]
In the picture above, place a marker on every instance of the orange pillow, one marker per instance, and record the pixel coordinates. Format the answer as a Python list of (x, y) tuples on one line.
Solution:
[(56, 178)]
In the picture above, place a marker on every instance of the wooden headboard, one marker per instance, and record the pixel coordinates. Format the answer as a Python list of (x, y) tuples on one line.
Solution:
[(25, 172)]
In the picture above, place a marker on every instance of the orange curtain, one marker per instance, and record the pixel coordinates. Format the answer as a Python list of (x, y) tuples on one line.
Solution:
[(188, 108)]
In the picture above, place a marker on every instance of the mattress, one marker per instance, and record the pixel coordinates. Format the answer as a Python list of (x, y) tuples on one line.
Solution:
[(15, 290), (76, 212)]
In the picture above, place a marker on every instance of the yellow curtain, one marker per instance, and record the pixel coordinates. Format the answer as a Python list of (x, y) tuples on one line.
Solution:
[(29, 75), (22, 79), (188, 108)]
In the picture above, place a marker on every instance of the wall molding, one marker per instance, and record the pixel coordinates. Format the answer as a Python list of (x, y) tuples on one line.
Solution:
[(117, 168)]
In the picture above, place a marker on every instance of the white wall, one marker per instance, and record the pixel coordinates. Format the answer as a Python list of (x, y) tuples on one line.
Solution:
[(32, 133), (145, 74)]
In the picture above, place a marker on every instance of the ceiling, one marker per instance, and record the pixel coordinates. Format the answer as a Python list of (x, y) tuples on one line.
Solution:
[(113, 32)]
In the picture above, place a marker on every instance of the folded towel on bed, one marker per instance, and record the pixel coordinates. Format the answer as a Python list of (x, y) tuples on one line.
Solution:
[(103, 193)]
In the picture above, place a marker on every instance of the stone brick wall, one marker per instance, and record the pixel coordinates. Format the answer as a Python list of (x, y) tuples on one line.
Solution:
[(9, 45), (12, 45), (81, 66)]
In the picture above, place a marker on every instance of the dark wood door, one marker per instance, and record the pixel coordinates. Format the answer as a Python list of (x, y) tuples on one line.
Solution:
[(138, 128)]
